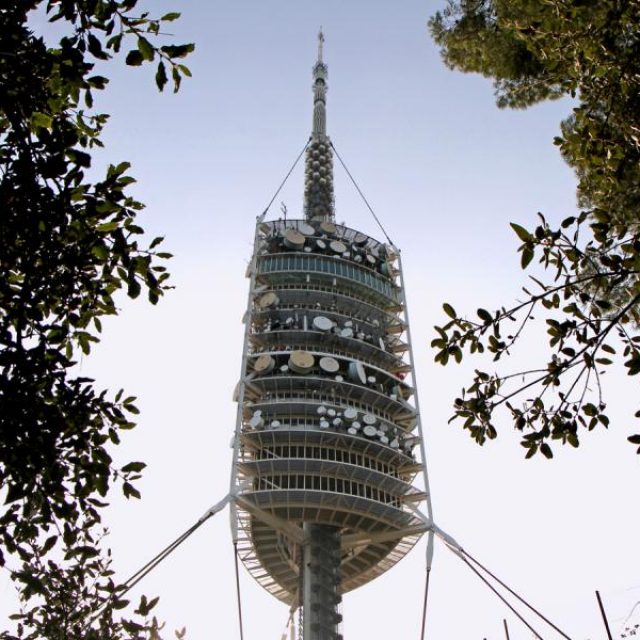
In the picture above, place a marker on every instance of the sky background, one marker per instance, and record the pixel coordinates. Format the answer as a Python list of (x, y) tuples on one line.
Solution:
[(446, 172)]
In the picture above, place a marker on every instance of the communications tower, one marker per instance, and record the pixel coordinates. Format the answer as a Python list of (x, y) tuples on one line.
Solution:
[(328, 436)]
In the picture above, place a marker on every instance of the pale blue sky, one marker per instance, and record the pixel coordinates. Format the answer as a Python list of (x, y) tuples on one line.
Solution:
[(446, 171)]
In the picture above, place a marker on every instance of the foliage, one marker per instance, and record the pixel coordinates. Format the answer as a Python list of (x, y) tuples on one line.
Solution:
[(67, 246), (536, 50)]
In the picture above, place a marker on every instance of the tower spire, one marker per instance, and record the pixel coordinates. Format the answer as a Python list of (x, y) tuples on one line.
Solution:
[(320, 91), (320, 44), (318, 193)]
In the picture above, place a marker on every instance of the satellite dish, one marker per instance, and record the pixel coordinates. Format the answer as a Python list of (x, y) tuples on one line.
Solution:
[(329, 365), (357, 373), (306, 229), (264, 364), (293, 239), (322, 323), (360, 239), (328, 227), (267, 300), (350, 414), (370, 432), (301, 362), (337, 246), (369, 419)]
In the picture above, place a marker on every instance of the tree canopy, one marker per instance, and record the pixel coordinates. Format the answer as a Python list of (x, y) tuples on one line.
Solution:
[(68, 245), (535, 50)]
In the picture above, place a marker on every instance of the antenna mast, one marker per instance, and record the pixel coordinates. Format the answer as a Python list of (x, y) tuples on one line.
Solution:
[(318, 187)]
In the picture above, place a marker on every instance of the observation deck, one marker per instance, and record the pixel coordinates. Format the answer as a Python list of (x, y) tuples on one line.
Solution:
[(327, 421)]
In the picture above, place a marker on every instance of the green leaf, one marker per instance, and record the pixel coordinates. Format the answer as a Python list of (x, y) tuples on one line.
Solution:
[(146, 49), (170, 17), (134, 288), (135, 467), (161, 76), (130, 491), (131, 408), (545, 450), (118, 603), (118, 169), (100, 251), (114, 42), (49, 543), (178, 51), (134, 58), (521, 232), (145, 606), (177, 79), (527, 257), (39, 119), (107, 227), (95, 47), (449, 310)]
